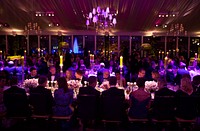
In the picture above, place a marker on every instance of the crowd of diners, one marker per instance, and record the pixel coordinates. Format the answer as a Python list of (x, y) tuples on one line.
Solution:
[(182, 102)]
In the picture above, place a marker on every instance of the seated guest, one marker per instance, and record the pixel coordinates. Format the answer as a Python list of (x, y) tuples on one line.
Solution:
[(41, 98), (155, 75), (3, 81), (69, 75), (63, 98), (139, 101), (16, 100), (52, 75), (100, 72), (88, 98), (80, 76), (141, 74), (163, 106), (90, 89), (121, 81), (185, 101), (33, 73), (181, 71), (170, 74), (113, 102)]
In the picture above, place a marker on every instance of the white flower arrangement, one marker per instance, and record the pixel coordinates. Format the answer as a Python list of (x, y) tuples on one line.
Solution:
[(105, 85), (72, 84), (30, 83), (151, 86)]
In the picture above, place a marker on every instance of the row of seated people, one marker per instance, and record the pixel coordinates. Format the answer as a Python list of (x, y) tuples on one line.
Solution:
[(110, 104)]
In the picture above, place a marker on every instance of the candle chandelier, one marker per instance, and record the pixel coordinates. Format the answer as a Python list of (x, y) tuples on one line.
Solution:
[(32, 27), (101, 19), (177, 29)]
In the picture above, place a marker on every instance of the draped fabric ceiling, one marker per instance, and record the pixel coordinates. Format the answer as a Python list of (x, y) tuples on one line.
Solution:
[(133, 15)]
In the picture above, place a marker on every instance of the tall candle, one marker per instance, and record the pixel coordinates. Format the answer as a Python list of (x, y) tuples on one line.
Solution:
[(165, 64), (0, 54), (159, 54), (91, 58), (22, 60), (163, 54), (195, 55), (24, 52), (121, 61), (61, 60)]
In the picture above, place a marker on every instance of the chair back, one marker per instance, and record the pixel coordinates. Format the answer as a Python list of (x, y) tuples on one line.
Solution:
[(17, 104), (87, 106), (164, 107), (112, 108), (40, 104)]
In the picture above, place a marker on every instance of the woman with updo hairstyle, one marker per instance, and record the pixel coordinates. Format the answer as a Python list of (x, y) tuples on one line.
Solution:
[(63, 97)]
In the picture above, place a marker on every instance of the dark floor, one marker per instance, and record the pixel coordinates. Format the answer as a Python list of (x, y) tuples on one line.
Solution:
[(50, 125)]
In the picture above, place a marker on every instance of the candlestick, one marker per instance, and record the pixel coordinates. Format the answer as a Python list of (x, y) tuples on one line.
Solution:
[(121, 61), (0, 54), (91, 58), (159, 55), (163, 54), (195, 55), (165, 64), (61, 60)]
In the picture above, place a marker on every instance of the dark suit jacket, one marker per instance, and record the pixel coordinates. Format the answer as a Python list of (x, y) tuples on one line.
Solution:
[(56, 76), (30, 77), (16, 102), (42, 100), (164, 104), (113, 105), (113, 91), (89, 90)]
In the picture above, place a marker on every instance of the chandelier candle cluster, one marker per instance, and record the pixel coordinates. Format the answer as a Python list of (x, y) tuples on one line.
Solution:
[(32, 27), (101, 18), (177, 29)]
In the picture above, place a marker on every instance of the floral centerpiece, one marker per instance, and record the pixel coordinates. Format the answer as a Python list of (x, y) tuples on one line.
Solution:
[(30, 83), (72, 84), (105, 85), (151, 86)]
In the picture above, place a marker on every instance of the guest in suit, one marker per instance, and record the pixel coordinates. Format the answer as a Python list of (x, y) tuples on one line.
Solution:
[(63, 98), (139, 101), (52, 75), (113, 98), (141, 74), (164, 102), (79, 76), (186, 105), (181, 71), (91, 93), (41, 98), (121, 81), (16, 100), (33, 73), (170, 74), (90, 89), (100, 73), (113, 90)]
